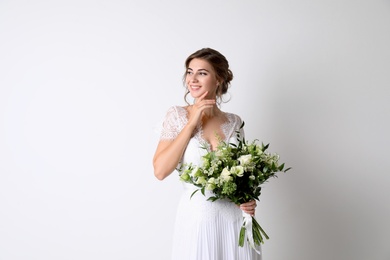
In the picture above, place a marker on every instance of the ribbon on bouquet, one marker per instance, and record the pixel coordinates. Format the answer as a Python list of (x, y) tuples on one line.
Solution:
[(249, 230)]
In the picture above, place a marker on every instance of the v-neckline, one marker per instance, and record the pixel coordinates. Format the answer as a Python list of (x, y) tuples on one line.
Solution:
[(198, 132)]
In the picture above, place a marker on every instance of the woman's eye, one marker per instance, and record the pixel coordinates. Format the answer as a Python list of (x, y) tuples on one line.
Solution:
[(203, 73)]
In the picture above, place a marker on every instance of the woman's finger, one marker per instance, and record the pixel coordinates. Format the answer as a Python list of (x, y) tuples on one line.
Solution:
[(202, 96)]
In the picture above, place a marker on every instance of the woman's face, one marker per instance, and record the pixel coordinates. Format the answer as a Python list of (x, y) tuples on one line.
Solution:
[(200, 78)]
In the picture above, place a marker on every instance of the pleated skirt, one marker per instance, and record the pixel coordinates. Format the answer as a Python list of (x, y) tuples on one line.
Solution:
[(207, 230)]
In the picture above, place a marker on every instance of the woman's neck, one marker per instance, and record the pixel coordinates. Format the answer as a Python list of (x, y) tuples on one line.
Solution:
[(212, 112)]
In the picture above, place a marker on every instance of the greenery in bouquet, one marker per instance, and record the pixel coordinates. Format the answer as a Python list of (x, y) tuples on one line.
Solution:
[(235, 172)]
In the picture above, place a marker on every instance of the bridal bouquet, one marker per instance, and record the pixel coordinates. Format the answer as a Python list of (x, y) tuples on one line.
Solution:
[(235, 172)]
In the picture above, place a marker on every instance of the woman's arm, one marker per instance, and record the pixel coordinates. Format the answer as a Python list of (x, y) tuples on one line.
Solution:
[(169, 152)]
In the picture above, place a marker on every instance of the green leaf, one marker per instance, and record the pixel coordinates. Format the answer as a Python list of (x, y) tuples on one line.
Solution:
[(273, 166), (262, 231), (212, 199), (194, 193), (241, 237)]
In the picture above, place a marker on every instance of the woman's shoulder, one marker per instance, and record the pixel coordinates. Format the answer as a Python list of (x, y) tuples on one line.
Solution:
[(173, 122), (233, 117), (233, 124), (176, 113), (234, 121)]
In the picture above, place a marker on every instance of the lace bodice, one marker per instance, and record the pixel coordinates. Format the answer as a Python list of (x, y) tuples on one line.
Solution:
[(177, 117), (175, 120)]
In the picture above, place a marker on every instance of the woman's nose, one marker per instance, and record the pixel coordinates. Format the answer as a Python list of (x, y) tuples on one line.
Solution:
[(193, 78)]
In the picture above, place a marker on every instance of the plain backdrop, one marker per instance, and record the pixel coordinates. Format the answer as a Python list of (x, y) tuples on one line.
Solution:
[(84, 86)]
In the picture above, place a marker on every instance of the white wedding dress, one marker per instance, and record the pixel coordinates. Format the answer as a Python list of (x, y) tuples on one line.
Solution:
[(205, 230)]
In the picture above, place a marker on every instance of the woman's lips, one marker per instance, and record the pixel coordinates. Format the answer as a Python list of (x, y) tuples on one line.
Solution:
[(195, 87)]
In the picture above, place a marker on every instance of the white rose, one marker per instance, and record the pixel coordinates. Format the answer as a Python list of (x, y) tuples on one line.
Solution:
[(211, 184), (225, 175), (237, 170), (212, 180), (201, 180), (245, 159)]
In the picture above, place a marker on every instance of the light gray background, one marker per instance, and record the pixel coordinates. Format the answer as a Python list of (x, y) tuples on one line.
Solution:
[(84, 85)]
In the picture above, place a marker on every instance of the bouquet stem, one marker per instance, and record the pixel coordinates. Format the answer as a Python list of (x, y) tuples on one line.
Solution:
[(251, 231)]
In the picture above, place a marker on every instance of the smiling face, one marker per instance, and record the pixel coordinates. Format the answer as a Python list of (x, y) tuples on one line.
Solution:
[(201, 77)]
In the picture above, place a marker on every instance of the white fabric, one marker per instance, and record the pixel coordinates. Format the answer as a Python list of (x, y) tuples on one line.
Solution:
[(205, 230)]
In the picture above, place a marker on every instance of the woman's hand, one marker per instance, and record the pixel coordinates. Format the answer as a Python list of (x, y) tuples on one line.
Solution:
[(200, 106), (249, 207)]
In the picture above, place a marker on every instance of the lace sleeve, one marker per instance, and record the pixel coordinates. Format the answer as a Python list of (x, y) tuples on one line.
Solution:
[(238, 124), (242, 132), (170, 126), (234, 126)]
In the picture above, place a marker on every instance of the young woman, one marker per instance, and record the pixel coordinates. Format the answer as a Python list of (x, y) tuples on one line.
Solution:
[(204, 230)]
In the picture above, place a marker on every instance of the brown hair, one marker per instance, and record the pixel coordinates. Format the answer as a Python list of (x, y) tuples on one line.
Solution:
[(220, 66)]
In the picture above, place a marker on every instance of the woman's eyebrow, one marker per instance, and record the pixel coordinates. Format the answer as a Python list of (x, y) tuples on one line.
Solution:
[(198, 69)]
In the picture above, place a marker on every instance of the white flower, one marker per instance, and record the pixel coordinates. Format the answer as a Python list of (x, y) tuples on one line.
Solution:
[(211, 184), (185, 177), (245, 159), (212, 180), (219, 153), (194, 171), (258, 150), (237, 170), (210, 171), (225, 175), (205, 162), (201, 180)]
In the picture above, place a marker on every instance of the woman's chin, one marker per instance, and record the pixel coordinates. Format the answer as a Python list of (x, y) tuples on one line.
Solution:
[(196, 95)]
